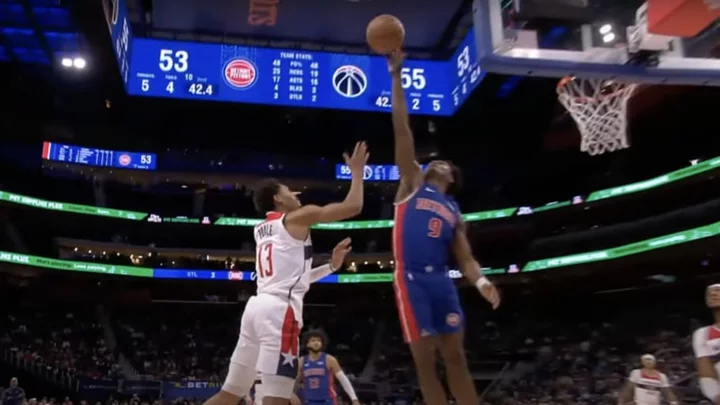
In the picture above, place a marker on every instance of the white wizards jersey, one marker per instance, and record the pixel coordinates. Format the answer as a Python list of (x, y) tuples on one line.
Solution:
[(648, 386), (706, 343), (283, 263)]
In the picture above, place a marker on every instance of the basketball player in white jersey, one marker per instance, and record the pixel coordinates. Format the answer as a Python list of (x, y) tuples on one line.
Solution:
[(271, 323), (646, 385), (706, 345)]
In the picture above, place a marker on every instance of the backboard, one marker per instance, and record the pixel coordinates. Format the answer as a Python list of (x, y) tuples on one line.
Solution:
[(658, 41)]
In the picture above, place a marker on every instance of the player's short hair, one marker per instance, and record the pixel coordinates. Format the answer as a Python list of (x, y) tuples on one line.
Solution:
[(264, 195), (315, 333)]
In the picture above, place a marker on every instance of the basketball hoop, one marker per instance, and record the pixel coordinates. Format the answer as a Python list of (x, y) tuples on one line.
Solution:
[(599, 108)]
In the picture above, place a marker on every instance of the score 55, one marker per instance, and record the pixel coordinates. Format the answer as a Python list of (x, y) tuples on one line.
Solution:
[(413, 77), (173, 60)]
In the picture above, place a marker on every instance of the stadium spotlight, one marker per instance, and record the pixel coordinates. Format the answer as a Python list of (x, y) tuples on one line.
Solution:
[(79, 63), (76, 63), (605, 29), (609, 37)]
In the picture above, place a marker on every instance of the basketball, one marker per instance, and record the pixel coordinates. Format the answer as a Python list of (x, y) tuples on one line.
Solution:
[(385, 34)]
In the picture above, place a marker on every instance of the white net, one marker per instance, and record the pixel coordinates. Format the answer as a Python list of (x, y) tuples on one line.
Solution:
[(599, 108)]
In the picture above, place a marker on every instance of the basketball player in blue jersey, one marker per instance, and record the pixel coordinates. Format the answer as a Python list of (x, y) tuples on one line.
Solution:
[(317, 373), (429, 229)]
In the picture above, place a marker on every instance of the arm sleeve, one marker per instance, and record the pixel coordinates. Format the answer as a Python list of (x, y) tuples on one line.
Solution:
[(347, 386), (699, 344), (320, 272)]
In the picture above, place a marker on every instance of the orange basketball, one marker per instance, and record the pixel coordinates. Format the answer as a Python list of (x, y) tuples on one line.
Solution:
[(385, 34)]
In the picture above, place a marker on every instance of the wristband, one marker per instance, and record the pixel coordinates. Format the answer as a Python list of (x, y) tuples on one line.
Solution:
[(482, 282), (332, 268)]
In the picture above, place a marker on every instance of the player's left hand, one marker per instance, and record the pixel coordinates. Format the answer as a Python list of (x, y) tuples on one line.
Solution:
[(339, 252), (356, 402), (491, 295), (294, 400)]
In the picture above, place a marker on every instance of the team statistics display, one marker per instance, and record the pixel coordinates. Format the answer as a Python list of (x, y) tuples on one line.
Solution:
[(204, 71)]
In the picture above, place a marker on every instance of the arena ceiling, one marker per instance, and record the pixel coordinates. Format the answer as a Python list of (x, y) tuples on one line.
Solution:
[(36, 31), (429, 23)]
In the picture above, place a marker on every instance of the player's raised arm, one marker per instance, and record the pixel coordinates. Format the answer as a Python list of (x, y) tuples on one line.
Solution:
[(337, 371), (404, 143), (471, 268), (707, 375), (352, 204)]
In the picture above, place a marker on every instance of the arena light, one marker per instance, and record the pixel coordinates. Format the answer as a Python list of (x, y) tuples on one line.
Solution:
[(609, 37), (73, 63), (79, 63), (605, 29)]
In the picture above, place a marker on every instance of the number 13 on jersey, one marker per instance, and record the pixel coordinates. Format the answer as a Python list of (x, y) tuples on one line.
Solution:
[(264, 260)]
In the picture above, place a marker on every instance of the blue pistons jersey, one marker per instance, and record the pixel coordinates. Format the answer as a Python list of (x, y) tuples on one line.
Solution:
[(423, 237), (318, 381)]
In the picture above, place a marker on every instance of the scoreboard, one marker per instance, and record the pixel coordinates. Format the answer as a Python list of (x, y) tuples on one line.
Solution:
[(116, 16), (81, 155), (371, 172), (282, 77), (270, 76)]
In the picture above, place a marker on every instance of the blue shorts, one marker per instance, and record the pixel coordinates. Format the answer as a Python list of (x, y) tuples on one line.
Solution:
[(328, 401), (428, 304)]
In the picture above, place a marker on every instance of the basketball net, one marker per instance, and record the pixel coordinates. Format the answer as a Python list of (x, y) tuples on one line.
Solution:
[(599, 108)]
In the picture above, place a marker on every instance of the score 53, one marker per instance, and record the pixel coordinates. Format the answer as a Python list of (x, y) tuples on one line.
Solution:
[(173, 60)]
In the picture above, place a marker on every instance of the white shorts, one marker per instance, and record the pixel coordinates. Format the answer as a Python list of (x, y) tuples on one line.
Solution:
[(269, 337)]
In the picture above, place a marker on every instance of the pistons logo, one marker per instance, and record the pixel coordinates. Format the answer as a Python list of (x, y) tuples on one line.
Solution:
[(240, 73), (452, 319), (124, 160)]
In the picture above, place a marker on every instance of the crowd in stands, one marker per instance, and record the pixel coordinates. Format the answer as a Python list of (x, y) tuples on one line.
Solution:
[(67, 341), (196, 343), (524, 356)]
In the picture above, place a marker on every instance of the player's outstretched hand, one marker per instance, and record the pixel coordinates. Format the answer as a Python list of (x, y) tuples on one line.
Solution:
[(356, 402), (359, 158), (491, 295), (395, 61), (295, 400), (339, 252)]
